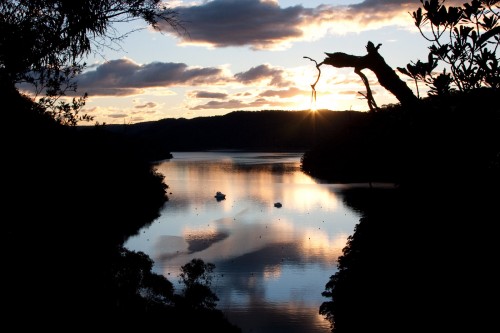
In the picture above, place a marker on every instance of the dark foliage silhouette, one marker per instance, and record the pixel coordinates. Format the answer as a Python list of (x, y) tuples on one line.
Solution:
[(410, 266), (197, 278), (73, 198), (195, 305), (43, 42), (465, 40)]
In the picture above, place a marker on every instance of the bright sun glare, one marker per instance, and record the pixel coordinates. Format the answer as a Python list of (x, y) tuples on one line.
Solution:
[(313, 107)]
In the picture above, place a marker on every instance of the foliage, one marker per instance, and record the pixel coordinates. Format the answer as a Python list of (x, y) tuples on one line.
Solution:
[(135, 284), (63, 112), (76, 234), (43, 42), (196, 276), (465, 40), (420, 71)]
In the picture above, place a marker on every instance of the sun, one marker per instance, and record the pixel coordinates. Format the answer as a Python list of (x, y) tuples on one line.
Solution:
[(312, 105)]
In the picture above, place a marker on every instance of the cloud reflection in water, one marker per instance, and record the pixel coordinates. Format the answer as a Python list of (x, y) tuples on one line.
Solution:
[(271, 263)]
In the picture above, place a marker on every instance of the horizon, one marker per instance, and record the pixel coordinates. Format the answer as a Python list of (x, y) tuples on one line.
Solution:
[(220, 115)]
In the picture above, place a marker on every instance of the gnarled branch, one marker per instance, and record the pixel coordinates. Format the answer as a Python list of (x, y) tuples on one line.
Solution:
[(373, 61), (369, 96)]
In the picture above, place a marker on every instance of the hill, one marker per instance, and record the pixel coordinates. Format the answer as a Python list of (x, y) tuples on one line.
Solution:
[(251, 130)]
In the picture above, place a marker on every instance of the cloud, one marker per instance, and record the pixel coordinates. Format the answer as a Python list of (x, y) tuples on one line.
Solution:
[(118, 115), (222, 23), (373, 4), (232, 104), (208, 94), (262, 72), (89, 110), (242, 99), (287, 93), (235, 104), (124, 77), (148, 105), (381, 4), (262, 24), (131, 114)]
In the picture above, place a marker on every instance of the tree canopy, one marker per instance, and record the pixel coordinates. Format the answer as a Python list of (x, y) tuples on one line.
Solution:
[(40, 34), (464, 41), (43, 42)]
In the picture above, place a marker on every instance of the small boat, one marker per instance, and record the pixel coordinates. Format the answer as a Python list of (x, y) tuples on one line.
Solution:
[(277, 204), (220, 196)]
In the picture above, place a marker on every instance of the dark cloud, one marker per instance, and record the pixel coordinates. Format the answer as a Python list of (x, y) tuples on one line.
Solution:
[(264, 24), (260, 73), (383, 3), (208, 94), (372, 11), (377, 4), (117, 115), (124, 77), (261, 24)]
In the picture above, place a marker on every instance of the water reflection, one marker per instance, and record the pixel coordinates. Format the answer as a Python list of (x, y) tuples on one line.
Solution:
[(271, 263)]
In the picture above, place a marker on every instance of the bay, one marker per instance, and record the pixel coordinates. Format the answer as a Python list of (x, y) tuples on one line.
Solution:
[(272, 263)]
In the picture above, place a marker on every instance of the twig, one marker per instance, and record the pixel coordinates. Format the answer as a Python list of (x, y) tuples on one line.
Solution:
[(313, 86), (369, 96)]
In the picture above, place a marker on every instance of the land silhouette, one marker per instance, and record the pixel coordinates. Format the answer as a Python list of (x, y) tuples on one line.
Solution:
[(81, 207), (72, 199)]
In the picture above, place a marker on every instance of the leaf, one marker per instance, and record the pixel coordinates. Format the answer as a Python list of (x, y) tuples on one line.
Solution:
[(417, 17), (404, 71)]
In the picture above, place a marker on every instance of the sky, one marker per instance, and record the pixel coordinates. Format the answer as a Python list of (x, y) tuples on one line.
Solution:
[(248, 55)]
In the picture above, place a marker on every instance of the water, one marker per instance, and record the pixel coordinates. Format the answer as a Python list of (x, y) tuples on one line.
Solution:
[(271, 263)]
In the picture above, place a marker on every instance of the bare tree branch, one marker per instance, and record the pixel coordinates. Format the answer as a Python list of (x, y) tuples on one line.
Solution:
[(373, 61), (313, 86)]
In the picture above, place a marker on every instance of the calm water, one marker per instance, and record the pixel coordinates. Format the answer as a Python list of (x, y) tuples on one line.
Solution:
[(271, 263)]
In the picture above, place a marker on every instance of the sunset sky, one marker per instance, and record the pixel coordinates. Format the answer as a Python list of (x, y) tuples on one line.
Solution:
[(248, 55)]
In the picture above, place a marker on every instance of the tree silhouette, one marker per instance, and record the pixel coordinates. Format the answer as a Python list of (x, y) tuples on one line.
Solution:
[(465, 40), (373, 61), (196, 276), (43, 42), (456, 128)]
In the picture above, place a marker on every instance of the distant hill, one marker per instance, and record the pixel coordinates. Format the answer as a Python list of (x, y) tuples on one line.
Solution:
[(251, 130)]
